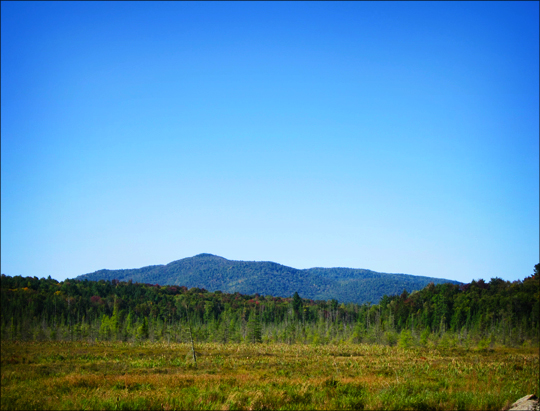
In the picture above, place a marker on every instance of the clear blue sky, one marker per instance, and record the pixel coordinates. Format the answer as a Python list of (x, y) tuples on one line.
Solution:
[(399, 137)]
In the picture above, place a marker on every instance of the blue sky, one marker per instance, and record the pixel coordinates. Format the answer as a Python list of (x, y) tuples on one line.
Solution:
[(399, 137)]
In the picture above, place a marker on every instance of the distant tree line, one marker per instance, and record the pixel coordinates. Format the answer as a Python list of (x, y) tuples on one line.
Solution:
[(478, 314)]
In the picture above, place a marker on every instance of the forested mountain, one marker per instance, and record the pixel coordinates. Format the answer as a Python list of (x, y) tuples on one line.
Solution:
[(267, 278), (479, 313)]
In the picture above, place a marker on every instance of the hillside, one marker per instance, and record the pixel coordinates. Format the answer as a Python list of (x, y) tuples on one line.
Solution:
[(268, 278)]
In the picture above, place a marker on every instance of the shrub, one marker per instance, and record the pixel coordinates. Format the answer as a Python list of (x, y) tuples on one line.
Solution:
[(406, 339)]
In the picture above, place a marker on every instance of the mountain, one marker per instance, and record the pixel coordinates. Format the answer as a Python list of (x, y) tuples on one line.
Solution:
[(267, 278)]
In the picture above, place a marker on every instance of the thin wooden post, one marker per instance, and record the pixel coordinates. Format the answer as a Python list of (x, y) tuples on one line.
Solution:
[(191, 338)]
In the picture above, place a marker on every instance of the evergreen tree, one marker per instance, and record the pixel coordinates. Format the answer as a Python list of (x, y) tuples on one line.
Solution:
[(114, 321), (128, 327), (143, 332), (297, 305), (253, 332)]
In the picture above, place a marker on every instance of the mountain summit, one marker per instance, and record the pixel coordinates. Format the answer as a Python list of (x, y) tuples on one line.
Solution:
[(268, 278)]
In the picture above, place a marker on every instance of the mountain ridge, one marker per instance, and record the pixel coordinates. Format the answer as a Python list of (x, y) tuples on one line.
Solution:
[(214, 273)]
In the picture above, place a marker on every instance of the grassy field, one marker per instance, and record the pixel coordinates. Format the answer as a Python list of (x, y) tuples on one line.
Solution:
[(81, 375)]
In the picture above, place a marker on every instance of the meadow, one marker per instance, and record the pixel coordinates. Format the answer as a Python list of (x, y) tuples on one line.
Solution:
[(120, 375)]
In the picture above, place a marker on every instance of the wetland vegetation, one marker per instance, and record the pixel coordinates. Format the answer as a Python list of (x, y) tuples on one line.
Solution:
[(117, 375)]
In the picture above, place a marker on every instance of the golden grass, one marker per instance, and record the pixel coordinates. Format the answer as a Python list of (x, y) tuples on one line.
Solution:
[(237, 376)]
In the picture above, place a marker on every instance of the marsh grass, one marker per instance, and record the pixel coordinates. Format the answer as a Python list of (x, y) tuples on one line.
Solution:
[(107, 375)]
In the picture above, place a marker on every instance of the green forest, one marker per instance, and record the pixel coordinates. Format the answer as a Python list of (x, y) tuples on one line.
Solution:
[(479, 314)]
